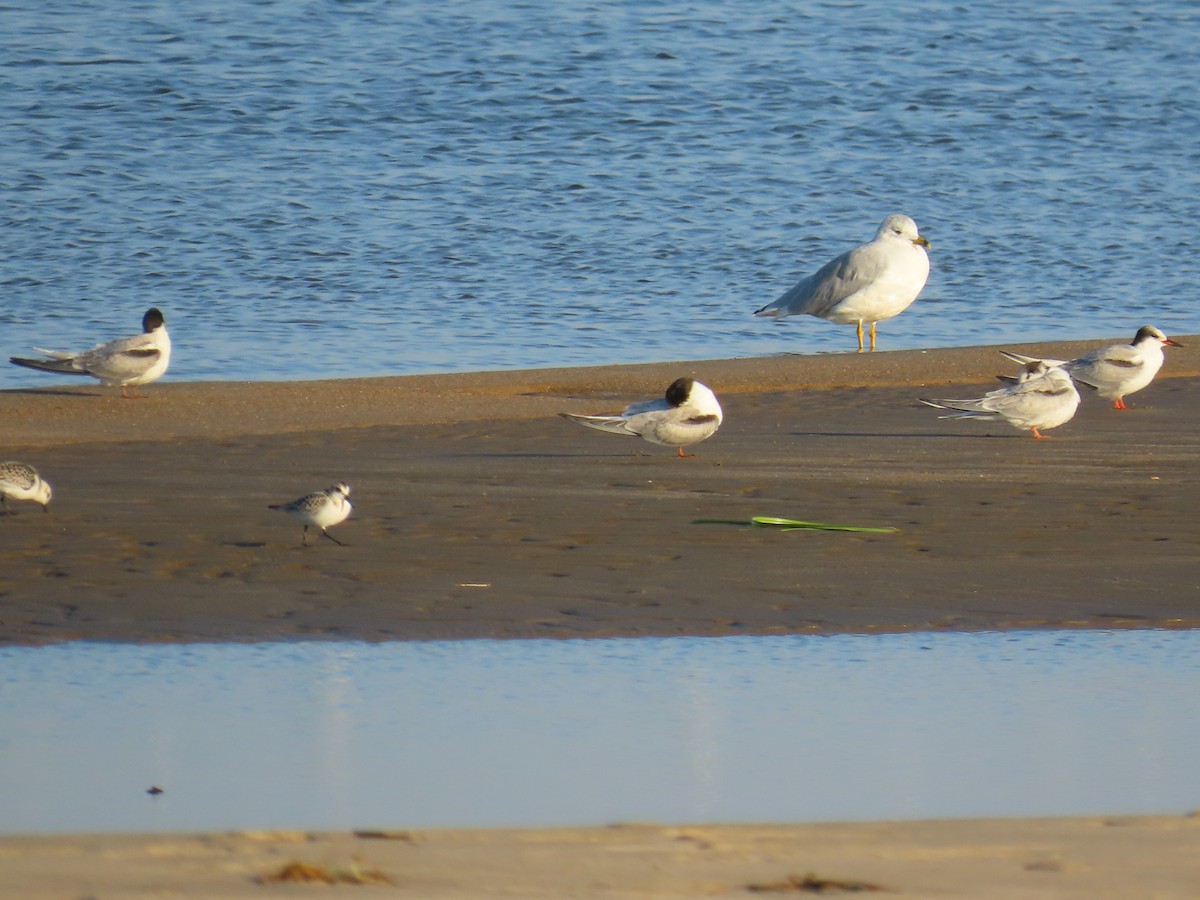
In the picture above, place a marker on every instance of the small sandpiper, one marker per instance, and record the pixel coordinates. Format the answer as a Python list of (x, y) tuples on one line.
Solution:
[(321, 509)]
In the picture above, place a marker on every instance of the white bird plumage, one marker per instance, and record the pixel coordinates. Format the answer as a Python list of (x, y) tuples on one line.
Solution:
[(687, 414), (1043, 398), (1117, 370), (21, 481), (127, 362), (872, 282), (321, 509)]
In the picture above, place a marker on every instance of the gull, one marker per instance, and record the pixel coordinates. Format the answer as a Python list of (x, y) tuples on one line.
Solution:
[(127, 362), (1044, 397), (868, 284), (688, 414), (22, 482), (321, 509), (1117, 370)]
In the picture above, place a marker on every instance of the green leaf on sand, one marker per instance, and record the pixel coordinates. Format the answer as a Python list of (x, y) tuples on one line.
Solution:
[(795, 525)]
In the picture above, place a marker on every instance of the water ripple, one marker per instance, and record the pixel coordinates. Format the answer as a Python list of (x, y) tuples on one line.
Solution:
[(613, 182)]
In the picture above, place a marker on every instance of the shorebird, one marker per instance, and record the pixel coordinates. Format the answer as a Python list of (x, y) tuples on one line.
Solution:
[(1043, 398), (866, 285), (22, 482), (321, 509), (687, 414), (127, 362), (1118, 370)]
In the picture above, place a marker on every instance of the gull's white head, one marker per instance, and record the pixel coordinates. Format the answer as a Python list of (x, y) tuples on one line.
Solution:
[(900, 227)]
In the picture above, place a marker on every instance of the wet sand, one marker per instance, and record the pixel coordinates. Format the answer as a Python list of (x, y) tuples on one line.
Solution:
[(480, 513)]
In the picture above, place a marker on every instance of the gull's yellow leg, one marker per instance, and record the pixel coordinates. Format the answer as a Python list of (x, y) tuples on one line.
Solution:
[(860, 342), (873, 337)]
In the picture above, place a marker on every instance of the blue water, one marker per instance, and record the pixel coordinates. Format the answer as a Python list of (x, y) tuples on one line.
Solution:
[(326, 189), (533, 733)]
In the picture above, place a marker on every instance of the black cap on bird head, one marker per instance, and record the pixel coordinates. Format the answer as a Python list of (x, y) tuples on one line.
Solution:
[(152, 319), (679, 391), (1150, 333)]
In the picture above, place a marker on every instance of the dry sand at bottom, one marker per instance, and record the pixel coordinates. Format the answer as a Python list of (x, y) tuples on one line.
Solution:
[(480, 513), (1140, 857)]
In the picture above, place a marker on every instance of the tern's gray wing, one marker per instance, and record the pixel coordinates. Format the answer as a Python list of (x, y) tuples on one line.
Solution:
[(973, 408), (124, 358), (1021, 358), (1117, 362), (835, 281), (611, 424), (1045, 402), (1025, 398), (983, 407), (644, 406)]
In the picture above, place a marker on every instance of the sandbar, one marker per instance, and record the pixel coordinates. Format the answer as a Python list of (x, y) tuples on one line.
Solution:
[(479, 513)]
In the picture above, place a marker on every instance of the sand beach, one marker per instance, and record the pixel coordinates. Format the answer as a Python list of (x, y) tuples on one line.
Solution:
[(479, 513)]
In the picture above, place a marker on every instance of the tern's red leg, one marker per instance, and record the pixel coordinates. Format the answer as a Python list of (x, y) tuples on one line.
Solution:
[(1119, 403), (1041, 437), (683, 455)]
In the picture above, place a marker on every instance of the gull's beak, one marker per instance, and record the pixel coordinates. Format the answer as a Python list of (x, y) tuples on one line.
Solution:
[(920, 241)]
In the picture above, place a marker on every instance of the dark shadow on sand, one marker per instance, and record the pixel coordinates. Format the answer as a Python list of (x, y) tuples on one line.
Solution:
[(54, 392), (875, 434)]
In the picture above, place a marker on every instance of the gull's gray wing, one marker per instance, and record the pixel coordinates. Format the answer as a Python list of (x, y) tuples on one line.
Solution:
[(834, 282)]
